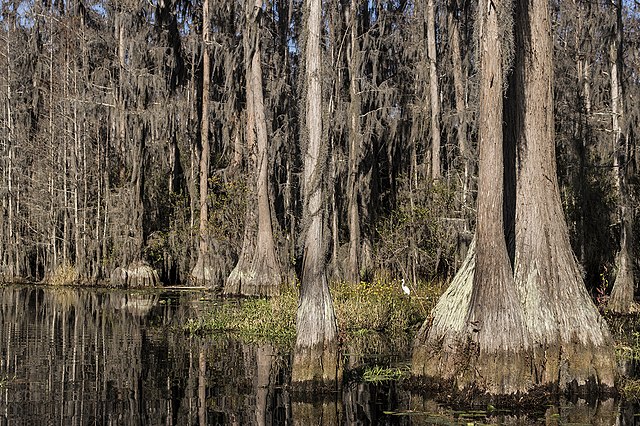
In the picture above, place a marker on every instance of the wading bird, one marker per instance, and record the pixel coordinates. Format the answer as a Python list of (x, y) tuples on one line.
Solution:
[(406, 289)]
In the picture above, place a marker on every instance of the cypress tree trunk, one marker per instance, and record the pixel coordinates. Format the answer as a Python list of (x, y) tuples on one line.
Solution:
[(621, 300), (257, 272), (202, 271), (478, 339), (453, 23), (490, 331), (434, 93), (315, 359), (572, 342)]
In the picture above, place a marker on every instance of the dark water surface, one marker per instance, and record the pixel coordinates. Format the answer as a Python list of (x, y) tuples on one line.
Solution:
[(74, 356)]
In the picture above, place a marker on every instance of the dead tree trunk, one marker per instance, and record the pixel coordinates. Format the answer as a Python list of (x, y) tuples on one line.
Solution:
[(352, 272), (257, 272), (315, 360)]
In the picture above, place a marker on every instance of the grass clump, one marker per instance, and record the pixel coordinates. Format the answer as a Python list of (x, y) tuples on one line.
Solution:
[(630, 389), (382, 306), (64, 274), (264, 320)]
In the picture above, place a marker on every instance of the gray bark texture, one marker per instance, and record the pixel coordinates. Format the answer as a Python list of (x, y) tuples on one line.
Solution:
[(202, 272), (478, 336), (434, 90), (257, 272), (622, 293), (493, 330), (315, 360), (572, 343)]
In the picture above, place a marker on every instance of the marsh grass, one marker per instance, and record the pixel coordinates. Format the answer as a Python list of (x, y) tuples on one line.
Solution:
[(64, 274), (379, 306), (253, 320), (382, 306), (630, 389)]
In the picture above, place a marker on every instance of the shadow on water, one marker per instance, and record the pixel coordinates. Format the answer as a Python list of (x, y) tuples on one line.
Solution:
[(74, 356)]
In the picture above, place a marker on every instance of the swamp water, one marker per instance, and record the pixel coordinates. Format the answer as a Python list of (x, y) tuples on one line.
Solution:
[(75, 356)]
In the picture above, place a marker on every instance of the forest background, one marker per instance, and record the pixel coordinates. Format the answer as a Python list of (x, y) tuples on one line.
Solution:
[(161, 141)]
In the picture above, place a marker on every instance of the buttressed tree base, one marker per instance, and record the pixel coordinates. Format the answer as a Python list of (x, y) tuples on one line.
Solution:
[(517, 315)]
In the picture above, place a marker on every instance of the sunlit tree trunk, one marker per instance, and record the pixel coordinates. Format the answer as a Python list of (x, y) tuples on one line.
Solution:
[(257, 272), (478, 338), (8, 262), (315, 360), (547, 332), (572, 344)]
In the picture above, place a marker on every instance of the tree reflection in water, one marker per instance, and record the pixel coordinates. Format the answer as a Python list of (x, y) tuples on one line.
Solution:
[(74, 356)]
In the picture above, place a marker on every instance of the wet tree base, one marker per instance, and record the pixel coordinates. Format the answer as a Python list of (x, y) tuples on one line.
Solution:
[(137, 274), (315, 370), (252, 283), (445, 392)]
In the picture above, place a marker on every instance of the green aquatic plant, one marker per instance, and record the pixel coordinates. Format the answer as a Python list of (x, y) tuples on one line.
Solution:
[(378, 374)]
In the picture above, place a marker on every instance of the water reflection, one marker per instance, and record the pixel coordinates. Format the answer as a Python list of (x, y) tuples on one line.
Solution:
[(89, 356)]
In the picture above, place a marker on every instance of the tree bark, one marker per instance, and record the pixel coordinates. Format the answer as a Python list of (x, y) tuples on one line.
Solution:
[(257, 272), (458, 90), (434, 90), (622, 293), (572, 343), (484, 345), (202, 271), (539, 327), (352, 273), (315, 360)]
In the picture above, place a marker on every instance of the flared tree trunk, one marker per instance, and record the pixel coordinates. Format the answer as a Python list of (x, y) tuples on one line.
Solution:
[(257, 272), (491, 331), (621, 300), (572, 343), (315, 359), (478, 339), (622, 293)]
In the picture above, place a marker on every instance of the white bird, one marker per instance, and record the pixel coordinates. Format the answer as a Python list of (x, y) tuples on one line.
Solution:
[(406, 289)]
